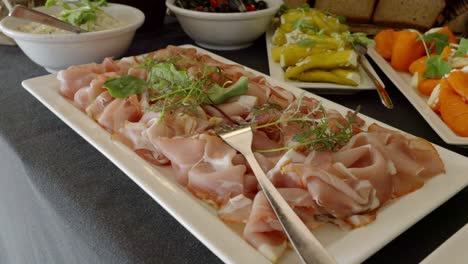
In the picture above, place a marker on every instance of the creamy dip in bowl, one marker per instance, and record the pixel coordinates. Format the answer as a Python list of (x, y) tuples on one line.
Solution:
[(59, 50)]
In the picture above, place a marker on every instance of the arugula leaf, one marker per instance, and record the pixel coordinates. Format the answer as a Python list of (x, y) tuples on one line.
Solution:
[(219, 94), (440, 40), (436, 67), (306, 43), (462, 48), (163, 75), (124, 86)]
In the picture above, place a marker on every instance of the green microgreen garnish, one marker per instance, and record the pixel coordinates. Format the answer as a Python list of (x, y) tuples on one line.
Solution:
[(438, 39), (173, 88), (78, 13), (462, 48), (319, 134), (436, 67)]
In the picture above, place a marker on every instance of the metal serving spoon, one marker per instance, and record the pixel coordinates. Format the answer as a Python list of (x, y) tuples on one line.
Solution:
[(23, 12)]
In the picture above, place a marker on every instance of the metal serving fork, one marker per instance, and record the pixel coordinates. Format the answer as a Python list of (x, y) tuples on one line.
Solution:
[(361, 51), (304, 242)]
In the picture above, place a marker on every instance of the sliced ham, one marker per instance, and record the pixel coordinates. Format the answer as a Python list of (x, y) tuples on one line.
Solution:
[(261, 91), (217, 153), (85, 96), (95, 109), (77, 77), (183, 153), (137, 135), (238, 106), (215, 178), (110, 65), (320, 159), (410, 160), (236, 209), (287, 179), (344, 187), (261, 141), (117, 112), (139, 73), (367, 163), (263, 230), (216, 186), (340, 197)]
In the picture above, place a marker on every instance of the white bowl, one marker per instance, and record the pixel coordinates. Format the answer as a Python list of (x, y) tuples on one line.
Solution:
[(59, 51), (225, 31)]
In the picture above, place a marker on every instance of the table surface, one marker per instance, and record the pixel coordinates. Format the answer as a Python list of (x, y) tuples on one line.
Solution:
[(61, 201)]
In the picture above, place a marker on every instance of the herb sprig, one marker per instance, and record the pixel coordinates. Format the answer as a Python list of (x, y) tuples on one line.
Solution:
[(173, 88), (438, 39), (436, 66), (84, 12), (320, 135), (462, 48)]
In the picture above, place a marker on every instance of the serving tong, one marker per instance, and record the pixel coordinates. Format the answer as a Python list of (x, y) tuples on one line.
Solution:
[(361, 50), (26, 13), (238, 4), (304, 242)]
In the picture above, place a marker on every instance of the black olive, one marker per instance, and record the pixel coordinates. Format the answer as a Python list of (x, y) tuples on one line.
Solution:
[(193, 4), (249, 2), (233, 5), (223, 8), (261, 5)]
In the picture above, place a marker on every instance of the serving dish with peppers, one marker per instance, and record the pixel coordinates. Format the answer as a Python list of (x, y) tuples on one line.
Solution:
[(314, 49)]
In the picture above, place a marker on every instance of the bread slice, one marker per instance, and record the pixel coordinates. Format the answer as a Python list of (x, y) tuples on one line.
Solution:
[(358, 11), (420, 14), (369, 29)]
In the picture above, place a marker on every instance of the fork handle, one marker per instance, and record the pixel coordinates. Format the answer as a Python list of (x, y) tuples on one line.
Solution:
[(383, 95), (307, 246)]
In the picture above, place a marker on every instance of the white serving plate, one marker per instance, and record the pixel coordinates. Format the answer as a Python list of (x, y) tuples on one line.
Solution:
[(225, 240), (277, 72), (402, 81)]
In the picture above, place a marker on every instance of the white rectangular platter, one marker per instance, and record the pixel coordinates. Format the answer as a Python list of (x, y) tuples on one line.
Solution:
[(277, 72), (402, 81), (224, 240)]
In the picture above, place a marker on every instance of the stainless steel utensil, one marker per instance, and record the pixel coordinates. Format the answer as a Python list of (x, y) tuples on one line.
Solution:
[(304, 242), (238, 4), (362, 50), (23, 12)]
